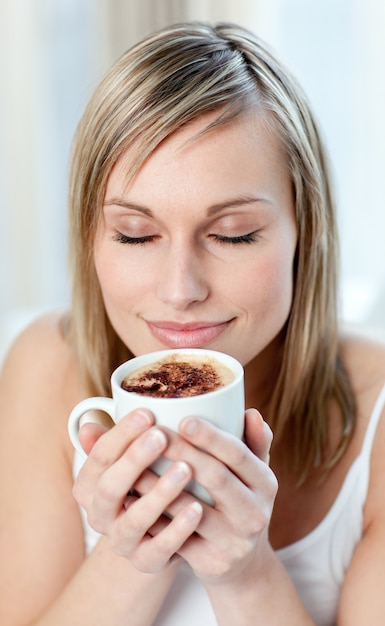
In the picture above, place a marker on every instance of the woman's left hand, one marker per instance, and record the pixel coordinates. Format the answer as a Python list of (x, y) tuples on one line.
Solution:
[(232, 535)]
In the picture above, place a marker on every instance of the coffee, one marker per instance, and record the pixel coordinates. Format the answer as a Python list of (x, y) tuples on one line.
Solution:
[(173, 384), (178, 376)]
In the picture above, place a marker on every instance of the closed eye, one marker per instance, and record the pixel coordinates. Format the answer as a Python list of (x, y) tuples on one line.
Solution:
[(238, 239), (221, 239), (135, 241)]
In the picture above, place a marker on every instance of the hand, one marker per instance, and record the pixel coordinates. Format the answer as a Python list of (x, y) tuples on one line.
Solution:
[(232, 536), (135, 527)]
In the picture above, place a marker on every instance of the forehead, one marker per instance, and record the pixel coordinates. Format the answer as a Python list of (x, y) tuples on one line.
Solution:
[(246, 146)]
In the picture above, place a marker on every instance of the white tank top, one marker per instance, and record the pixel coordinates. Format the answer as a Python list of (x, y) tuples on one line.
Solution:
[(316, 563)]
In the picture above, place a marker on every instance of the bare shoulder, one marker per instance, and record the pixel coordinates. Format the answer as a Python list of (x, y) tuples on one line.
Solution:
[(41, 352), (363, 353), (43, 338), (364, 356), (39, 377), (38, 388)]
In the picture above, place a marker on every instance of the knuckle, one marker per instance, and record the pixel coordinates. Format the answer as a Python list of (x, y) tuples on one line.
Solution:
[(133, 523), (220, 569), (177, 447), (106, 490), (162, 489), (217, 478), (138, 563), (101, 454), (257, 522), (209, 432), (95, 523), (145, 482), (165, 545), (223, 563), (145, 560), (240, 549), (239, 454)]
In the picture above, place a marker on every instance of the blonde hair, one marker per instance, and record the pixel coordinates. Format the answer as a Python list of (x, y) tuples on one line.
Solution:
[(164, 82)]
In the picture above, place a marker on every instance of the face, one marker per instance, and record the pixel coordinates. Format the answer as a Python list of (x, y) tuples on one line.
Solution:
[(197, 251)]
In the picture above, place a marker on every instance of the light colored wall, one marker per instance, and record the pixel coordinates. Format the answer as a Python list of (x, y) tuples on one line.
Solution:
[(50, 58), (52, 52), (127, 21)]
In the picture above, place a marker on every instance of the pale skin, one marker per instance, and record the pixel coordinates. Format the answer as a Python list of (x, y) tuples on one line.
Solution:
[(192, 278)]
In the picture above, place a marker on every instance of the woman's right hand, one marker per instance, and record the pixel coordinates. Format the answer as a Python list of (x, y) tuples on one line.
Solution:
[(117, 458)]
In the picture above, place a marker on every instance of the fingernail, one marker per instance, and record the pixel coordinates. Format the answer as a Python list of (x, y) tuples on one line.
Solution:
[(194, 511), (155, 440), (141, 418), (179, 471), (190, 427)]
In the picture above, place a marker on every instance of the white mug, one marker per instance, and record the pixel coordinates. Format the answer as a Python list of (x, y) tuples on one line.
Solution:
[(224, 407)]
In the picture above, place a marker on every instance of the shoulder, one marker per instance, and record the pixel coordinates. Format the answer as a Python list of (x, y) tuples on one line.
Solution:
[(42, 331), (41, 348), (364, 356), (363, 353), (39, 379)]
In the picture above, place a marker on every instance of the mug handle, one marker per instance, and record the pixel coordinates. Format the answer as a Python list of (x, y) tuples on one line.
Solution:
[(89, 404)]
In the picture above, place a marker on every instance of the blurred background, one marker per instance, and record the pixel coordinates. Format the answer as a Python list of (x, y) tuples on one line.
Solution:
[(52, 54)]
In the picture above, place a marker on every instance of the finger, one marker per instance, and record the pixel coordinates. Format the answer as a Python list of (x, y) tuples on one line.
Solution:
[(111, 488), (157, 493), (258, 435), (146, 483), (222, 463), (112, 445), (242, 486), (89, 434), (115, 441), (162, 548), (143, 518), (107, 449), (219, 445), (216, 526)]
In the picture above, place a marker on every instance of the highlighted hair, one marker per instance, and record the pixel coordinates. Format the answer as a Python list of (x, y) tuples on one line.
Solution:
[(169, 79)]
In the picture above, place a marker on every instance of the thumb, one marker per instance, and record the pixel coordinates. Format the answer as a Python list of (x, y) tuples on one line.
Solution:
[(258, 435)]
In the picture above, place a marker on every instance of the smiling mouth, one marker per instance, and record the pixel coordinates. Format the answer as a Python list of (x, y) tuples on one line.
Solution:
[(195, 335)]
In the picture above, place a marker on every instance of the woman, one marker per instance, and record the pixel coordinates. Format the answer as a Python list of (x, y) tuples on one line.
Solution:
[(200, 216)]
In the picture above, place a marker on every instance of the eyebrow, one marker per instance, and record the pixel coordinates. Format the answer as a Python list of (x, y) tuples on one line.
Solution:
[(213, 209), (234, 202), (129, 205)]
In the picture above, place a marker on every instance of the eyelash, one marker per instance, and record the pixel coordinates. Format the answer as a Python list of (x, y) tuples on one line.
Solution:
[(221, 239), (249, 238), (136, 241)]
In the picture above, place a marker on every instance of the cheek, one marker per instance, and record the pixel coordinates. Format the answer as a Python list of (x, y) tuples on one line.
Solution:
[(281, 276), (119, 277), (270, 288)]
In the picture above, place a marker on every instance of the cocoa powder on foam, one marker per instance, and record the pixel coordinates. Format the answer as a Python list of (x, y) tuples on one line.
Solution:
[(178, 377)]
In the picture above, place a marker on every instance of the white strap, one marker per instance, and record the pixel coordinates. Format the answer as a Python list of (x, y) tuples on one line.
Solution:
[(373, 422)]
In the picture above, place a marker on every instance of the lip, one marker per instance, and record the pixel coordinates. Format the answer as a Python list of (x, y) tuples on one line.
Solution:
[(189, 335)]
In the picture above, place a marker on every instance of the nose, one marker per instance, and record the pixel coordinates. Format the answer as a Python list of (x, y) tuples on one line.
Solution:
[(183, 280)]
